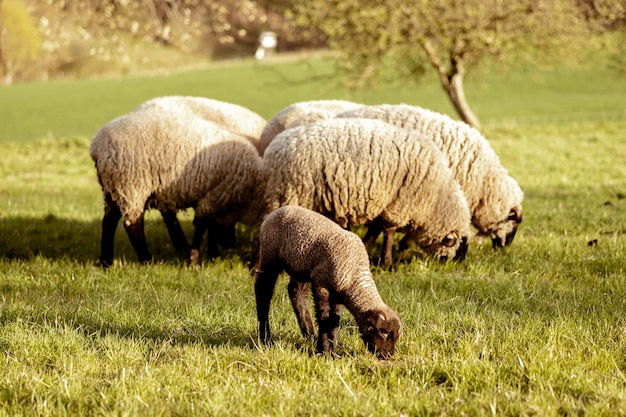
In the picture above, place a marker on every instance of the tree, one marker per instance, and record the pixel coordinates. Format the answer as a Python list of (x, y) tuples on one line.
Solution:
[(406, 37), (3, 69), (19, 41)]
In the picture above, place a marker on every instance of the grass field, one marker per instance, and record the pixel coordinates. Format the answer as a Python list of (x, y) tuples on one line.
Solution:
[(538, 328)]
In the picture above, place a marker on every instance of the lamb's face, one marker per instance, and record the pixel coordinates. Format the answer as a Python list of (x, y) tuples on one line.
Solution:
[(381, 331), (502, 233)]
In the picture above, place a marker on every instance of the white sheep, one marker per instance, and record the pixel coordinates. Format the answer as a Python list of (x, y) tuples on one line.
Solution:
[(317, 252), (300, 113), (357, 170), (493, 196), (148, 159), (233, 117)]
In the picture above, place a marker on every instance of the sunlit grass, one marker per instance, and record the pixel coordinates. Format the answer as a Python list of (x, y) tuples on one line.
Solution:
[(535, 329)]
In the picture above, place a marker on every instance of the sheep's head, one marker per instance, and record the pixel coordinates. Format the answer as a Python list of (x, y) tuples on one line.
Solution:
[(453, 245), (503, 232), (380, 331)]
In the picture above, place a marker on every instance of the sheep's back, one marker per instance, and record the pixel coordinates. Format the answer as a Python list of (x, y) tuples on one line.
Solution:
[(485, 182), (309, 243), (302, 112), (166, 162), (354, 170), (233, 117)]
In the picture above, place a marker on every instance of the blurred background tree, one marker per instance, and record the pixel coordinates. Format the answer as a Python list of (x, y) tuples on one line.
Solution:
[(85, 37), (20, 42), (406, 38), (396, 39)]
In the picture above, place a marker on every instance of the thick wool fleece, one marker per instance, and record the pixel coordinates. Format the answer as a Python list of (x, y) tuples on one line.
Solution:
[(145, 160), (490, 191), (304, 242), (356, 170), (233, 117), (304, 110)]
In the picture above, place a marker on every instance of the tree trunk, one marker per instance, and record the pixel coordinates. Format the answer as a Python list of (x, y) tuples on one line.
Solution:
[(452, 82), (454, 88)]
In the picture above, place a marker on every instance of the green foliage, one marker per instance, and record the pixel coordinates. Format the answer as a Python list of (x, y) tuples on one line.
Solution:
[(21, 42), (535, 329)]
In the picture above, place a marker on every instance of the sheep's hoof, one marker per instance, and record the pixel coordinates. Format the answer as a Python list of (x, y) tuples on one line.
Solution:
[(194, 257)]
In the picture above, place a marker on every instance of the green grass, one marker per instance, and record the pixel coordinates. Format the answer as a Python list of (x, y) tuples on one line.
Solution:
[(79, 108), (538, 328)]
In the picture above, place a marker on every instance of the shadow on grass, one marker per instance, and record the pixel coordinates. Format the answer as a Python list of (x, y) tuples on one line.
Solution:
[(95, 327), (22, 238)]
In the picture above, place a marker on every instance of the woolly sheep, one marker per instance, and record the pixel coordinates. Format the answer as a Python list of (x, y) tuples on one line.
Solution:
[(493, 196), (317, 252), (146, 159), (233, 117), (302, 112), (356, 170)]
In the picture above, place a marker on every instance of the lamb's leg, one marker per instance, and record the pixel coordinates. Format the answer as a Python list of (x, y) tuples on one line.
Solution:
[(373, 231), (327, 315), (200, 225), (387, 250), (177, 236), (263, 291), (137, 237), (112, 216), (336, 309), (299, 296)]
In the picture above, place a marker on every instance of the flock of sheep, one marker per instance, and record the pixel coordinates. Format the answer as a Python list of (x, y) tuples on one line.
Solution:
[(300, 181)]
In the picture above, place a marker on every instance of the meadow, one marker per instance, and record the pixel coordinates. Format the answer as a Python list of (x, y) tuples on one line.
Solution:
[(538, 328)]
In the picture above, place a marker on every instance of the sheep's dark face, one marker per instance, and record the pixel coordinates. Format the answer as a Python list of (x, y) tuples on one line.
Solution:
[(502, 233), (451, 246), (380, 332)]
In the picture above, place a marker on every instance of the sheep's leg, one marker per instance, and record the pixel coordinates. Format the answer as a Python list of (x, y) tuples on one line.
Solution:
[(200, 225), (387, 250), (299, 295), (226, 235), (373, 231), (137, 237), (327, 319), (177, 236), (405, 242), (263, 292), (112, 216), (218, 234)]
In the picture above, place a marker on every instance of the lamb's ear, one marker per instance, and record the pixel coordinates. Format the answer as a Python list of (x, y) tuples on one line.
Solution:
[(373, 319)]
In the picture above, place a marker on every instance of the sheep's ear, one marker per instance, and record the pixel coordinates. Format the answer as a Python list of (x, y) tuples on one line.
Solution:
[(515, 215)]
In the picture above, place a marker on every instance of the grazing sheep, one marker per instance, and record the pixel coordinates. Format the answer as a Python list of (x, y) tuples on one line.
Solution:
[(356, 170), (306, 111), (494, 198), (233, 117), (316, 252), (147, 159)]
